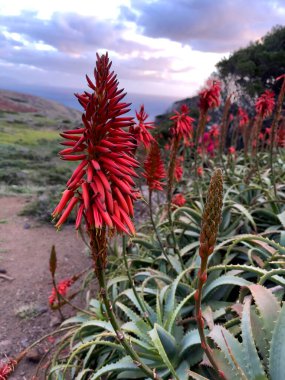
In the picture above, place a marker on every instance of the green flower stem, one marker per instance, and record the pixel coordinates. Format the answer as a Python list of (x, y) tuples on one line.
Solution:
[(171, 169), (155, 229), (202, 277), (273, 132), (120, 335), (140, 301)]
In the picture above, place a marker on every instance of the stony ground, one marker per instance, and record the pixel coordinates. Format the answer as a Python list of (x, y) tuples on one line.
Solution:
[(25, 282)]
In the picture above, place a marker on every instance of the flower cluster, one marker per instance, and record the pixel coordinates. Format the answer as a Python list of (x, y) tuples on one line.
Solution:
[(178, 200), (101, 186), (264, 105), (209, 97), (210, 140), (183, 124), (154, 168), (200, 171), (62, 289), (140, 130), (6, 368), (232, 150)]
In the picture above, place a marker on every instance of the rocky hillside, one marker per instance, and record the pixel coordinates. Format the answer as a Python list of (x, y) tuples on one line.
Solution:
[(15, 102)]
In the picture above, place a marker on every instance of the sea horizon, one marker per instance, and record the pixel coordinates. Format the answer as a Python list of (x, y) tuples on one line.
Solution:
[(154, 104)]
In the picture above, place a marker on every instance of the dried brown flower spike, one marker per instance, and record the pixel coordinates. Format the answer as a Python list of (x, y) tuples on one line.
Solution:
[(212, 214), (211, 220)]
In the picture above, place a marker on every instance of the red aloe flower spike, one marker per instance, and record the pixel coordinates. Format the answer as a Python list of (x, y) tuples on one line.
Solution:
[(183, 124), (178, 171), (154, 168), (62, 289), (178, 200), (105, 146), (264, 105), (140, 130), (210, 96)]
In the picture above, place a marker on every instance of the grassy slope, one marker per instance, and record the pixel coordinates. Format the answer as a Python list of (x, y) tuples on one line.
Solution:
[(29, 163)]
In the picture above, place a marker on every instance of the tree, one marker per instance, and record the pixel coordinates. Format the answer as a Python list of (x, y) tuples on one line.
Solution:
[(255, 67)]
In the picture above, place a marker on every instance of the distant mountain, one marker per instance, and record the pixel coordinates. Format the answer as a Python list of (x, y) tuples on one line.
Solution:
[(11, 101)]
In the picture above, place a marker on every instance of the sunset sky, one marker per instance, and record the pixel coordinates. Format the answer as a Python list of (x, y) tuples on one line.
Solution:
[(158, 47)]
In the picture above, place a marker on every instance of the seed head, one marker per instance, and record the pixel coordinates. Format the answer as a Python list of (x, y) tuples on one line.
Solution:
[(211, 218)]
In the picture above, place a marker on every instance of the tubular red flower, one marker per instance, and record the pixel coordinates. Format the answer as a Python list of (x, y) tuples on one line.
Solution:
[(7, 368), (105, 147), (154, 168), (264, 105), (200, 171), (183, 124), (232, 150), (62, 289), (210, 96), (242, 118), (178, 200), (140, 130)]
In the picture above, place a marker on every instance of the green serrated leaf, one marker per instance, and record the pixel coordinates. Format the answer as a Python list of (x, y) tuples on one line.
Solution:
[(281, 217), (225, 280), (277, 350), (231, 348), (267, 306), (189, 340), (254, 369), (126, 363), (155, 337)]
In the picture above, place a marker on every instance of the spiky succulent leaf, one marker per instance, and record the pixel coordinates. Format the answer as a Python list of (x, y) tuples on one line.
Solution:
[(224, 280), (231, 348), (254, 369), (267, 306), (277, 350), (126, 363), (163, 343)]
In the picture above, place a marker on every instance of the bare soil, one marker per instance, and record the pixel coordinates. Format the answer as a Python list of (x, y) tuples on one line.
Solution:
[(25, 247)]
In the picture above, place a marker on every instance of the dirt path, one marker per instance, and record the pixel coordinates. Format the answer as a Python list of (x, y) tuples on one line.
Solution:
[(24, 253)]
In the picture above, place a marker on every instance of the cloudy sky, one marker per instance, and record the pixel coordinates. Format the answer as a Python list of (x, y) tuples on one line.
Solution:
[(159, 48)]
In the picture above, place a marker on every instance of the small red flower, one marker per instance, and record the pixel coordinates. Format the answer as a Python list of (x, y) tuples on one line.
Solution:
[(232, 150), (140, 130), (101, 187), (167, 147), (200, 171), (210, 96), (178, 200), (178, 170), (242, 117), (264, 105), (183, 124), (62, 289), (215, 131), (7, 368), (154, 168)]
